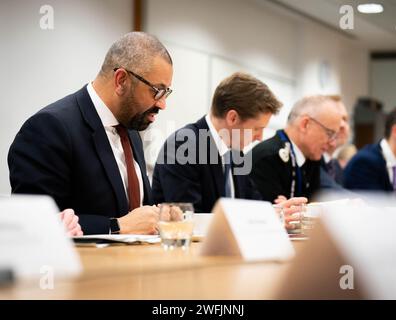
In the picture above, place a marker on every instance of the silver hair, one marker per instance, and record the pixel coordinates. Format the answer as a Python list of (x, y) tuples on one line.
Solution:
[(310, 106), (134, 51)]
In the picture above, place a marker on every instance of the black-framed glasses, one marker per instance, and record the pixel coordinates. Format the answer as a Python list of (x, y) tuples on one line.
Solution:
[(331, 134), (158, 93)]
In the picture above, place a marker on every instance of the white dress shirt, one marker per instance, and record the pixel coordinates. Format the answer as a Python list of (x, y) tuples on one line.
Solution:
[(326, 157), (221, 147), (300, 158), (389, 157), (109, 121)]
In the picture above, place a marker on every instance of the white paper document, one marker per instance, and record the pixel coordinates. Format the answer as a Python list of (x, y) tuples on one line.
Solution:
[(119, 238), (251, 229)]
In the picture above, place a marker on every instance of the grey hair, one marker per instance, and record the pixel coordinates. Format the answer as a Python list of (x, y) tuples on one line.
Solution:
[(310, 106), (134, 51)]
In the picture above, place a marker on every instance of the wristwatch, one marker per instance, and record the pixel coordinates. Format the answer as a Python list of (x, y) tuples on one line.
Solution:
[(114, 226)]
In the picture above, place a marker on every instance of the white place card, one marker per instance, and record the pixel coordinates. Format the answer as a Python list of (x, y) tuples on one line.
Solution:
[(365, 236), (351, 254), (33, 240), (201, 223), (247, 228)]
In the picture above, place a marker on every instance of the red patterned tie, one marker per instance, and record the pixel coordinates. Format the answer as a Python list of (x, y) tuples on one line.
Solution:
[(133, 182)]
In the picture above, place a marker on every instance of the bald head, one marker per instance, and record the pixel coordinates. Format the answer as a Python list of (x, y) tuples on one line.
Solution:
[(134, 51)]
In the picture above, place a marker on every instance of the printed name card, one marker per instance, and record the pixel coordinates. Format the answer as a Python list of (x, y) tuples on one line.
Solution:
[(247, 228), (33, 240), (351, 253)]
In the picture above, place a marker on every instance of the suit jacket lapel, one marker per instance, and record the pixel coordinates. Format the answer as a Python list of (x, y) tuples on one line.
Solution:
[(215, 168), (389, 185), (218, 175), (239, 180), (103, 148), (288, 173)]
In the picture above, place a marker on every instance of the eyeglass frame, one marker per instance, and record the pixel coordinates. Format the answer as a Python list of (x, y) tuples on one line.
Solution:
[(159, 93), (331, 134)]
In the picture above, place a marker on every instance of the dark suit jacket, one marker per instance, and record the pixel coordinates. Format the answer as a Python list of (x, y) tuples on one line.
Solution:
[(273, 176), (326, 180), (199, 182), (367, 170), (63, 151)]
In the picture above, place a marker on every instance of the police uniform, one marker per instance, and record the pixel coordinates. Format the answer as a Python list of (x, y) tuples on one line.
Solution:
[(277, 169)]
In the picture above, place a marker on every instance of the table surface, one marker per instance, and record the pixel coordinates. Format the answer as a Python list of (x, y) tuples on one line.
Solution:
[(149, 272)]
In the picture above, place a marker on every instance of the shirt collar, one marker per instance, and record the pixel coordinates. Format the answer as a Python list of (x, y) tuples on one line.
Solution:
[(388, 154), (221, 146), (105, 115), (300, 158), (326, 157)]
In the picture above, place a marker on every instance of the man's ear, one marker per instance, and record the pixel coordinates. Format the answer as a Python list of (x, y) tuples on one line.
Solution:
[(120, 81), (232, 118), (303, 123)]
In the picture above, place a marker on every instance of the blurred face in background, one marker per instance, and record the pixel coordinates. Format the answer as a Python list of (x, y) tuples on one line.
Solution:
[(343, 135)]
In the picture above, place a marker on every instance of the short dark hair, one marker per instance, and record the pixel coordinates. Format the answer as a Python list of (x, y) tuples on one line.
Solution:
[(134, 51), (246, 95), (390, 121)]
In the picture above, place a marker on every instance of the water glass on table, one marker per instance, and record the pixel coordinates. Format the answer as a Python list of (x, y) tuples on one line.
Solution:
[(176, 225)]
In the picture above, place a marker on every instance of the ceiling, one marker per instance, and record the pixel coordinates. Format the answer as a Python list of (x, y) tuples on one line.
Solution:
[(385, 20), (375, 31)]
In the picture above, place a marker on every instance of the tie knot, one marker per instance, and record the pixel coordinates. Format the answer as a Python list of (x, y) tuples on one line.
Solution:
[(228, 157), (121, 130)]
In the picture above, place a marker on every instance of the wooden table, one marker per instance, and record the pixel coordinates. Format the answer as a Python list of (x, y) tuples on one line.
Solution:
[(148, 272)]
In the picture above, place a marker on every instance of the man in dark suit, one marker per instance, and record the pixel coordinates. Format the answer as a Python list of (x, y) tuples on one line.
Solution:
[(288, 164), (331, 173), (85, 150), (328, 171), (203, 161), (374, 167)]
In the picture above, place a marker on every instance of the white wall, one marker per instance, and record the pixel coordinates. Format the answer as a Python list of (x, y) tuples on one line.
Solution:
[(383, 82), (41, 66), (330, 63), (208, 41), (211, 39)]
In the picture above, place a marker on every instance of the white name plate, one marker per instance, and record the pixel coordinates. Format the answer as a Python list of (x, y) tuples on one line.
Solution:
[(33, 240), (247, 228)]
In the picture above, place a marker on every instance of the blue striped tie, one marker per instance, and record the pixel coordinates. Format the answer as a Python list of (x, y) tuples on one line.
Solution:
[(227, 174)]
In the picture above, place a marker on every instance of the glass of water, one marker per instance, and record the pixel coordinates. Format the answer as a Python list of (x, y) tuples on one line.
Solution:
[(176, 225)]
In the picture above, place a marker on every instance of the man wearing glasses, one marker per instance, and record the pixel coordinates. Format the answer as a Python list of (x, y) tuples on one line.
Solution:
[(85, 151), (204, 161), (288, 164), (331, 172)]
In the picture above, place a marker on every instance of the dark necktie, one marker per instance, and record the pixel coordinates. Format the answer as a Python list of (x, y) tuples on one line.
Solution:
[(331, 169), (133, 182), (227, 174)]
